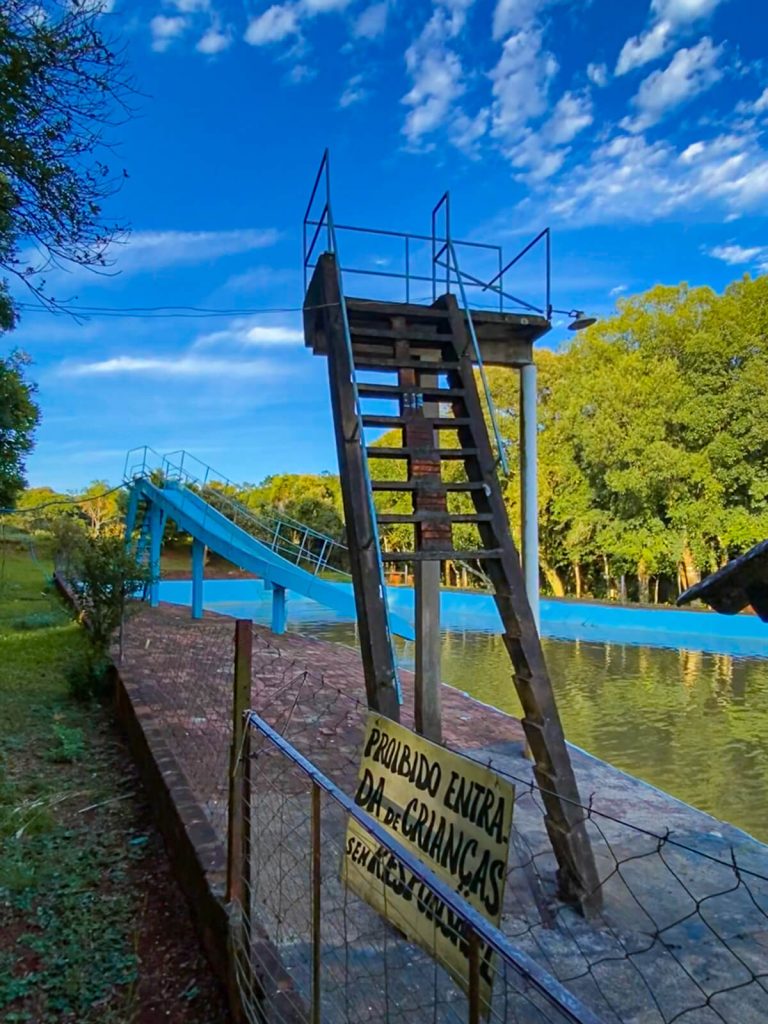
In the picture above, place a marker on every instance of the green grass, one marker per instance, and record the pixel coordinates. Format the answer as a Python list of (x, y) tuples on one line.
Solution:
[(67, 916)]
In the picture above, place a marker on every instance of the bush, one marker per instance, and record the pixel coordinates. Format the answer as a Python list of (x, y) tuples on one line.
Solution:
[(90, 678)]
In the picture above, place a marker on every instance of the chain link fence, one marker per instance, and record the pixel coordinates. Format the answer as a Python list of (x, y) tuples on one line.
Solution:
[(681, 933)]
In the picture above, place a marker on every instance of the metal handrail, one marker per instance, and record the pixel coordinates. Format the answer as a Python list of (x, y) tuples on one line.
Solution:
[(328, 213), (546, 986), (269, 527), (502, 457)]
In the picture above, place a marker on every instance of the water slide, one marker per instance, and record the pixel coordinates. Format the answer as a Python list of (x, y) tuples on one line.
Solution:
[(211, 528)]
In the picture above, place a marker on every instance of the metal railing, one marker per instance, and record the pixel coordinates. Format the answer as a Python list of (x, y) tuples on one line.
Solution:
[(333, 957), (293, 540), (326, 217), (419, 261)]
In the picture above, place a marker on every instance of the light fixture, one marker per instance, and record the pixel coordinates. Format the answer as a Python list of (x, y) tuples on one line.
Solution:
[(580, 320)]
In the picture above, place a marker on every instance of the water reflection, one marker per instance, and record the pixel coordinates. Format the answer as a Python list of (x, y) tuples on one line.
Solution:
[(694, 724)]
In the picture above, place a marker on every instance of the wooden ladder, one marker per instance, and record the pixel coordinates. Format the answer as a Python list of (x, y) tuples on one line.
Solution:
[(426, 352)]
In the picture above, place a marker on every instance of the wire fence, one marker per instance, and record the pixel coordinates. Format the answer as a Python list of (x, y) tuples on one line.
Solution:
[(680, 927)]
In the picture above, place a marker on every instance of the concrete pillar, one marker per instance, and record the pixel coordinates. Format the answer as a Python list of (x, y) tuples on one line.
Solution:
[(426, 585), (529, 499), (156, 524), (198, 560), (278, 609), (428, 698)]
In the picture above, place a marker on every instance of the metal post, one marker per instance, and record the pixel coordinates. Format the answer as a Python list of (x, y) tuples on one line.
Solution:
[(155, 545), (474, 978), (198, 559), (278, 609), (241, 699), (529, 503), (316, 920)]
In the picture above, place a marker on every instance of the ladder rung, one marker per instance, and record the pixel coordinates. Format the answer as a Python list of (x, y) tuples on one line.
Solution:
[(440, 556), (404, 453), (389, 363), (434, 517), (444, 423), (414, 485), (396, 390), (411, 333)]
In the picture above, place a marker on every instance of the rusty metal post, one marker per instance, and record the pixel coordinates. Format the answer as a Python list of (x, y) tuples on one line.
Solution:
[(316, 919), (474, 978), (241, 699)]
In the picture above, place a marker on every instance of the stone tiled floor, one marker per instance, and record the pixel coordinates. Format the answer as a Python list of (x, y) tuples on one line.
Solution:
[(681, 932)]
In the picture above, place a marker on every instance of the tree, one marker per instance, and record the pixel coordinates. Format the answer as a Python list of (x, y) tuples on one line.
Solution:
[(60, 85), (100, 505), (19, 416)]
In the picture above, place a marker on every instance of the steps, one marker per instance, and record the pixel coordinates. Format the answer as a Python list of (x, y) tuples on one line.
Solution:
[(427, 353)]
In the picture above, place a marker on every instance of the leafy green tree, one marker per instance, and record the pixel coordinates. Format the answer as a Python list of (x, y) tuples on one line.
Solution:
[(61, 88), (19, 416)]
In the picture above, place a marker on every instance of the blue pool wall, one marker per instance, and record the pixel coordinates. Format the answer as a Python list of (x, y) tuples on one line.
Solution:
[(462, 610)]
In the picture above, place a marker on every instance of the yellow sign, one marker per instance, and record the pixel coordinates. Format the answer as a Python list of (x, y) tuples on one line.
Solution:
[(454, 815)]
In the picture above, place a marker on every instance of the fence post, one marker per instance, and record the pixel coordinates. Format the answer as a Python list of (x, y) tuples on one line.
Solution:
[(316, 914), (238, 764), (474, 978)]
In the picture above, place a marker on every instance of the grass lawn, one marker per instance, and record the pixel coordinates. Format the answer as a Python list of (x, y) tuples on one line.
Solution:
[(92, 925)]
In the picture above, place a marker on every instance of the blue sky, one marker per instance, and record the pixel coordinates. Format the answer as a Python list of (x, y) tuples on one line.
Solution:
[(636, 130)]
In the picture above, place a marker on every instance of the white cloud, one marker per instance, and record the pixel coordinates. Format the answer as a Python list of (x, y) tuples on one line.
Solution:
[(642, 49), (597, 74), (146, 251), (761, 103), (436, 71), (191, 6), (165, 29), (243, 332), (154, 250), (683, 11), (520, 82), (261, 277), (670, 18), (276, 23), (514, 14), (214, 40), (354, 92), (371, 22), (572, 114), (628, 179), (185, 366), (300, 73), (737, 255), (690, 72), (466, 132), (323, 6), (618, 290)]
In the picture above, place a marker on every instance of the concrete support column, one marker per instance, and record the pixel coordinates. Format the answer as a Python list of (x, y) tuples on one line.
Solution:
[(156, 525), (278, 609), (198, 561), (529, 498), (426, 585), (428, 697)]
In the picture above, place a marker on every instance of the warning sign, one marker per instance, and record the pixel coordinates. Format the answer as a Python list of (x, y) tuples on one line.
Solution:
[(451, 813)]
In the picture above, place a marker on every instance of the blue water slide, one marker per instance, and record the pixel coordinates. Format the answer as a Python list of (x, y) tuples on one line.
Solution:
[(220, 535)]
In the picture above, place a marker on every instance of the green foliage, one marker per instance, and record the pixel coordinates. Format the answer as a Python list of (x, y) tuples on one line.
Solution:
[(60, 87), (104, 574), (19, 416), (69, 743)]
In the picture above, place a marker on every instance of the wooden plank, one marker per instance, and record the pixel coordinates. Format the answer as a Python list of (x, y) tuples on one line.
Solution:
[(397, 390), (413, 485), (445, 423), (577, 874), (479, 555), (367, 574), (405, 453)]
